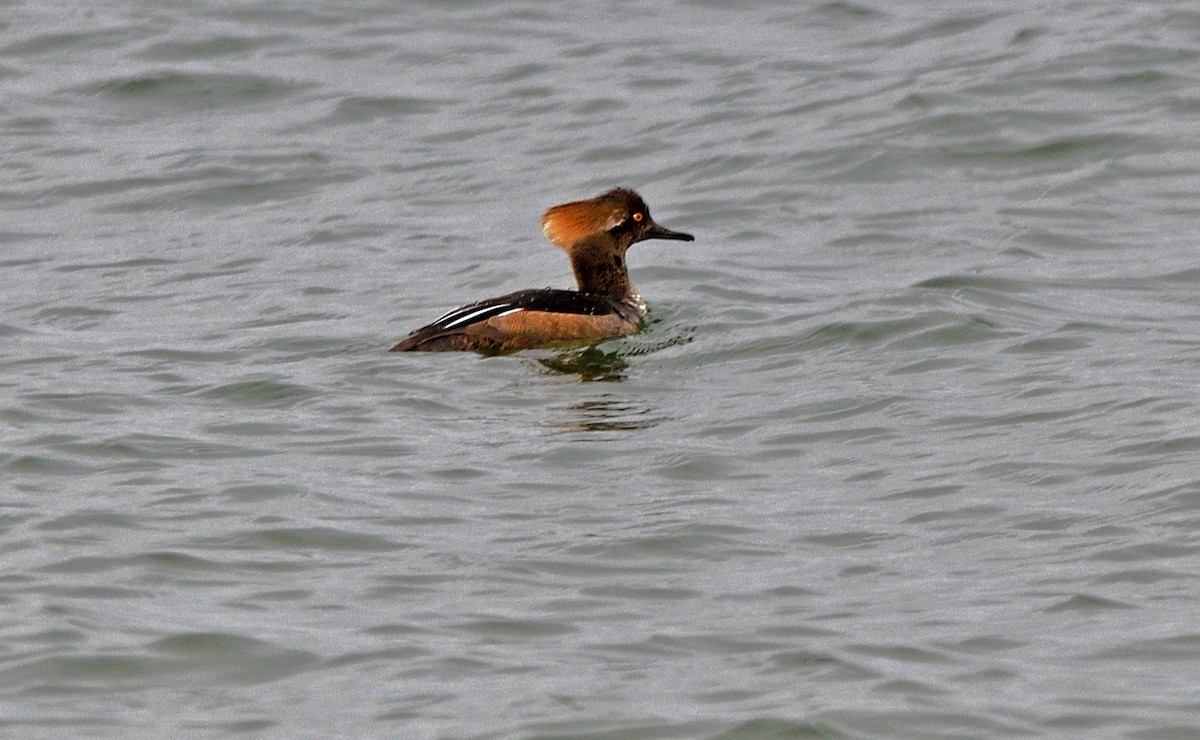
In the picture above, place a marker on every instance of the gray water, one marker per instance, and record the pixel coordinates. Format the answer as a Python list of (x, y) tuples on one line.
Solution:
[(910, 446)]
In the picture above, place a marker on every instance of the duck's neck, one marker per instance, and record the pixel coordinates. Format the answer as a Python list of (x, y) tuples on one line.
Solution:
[(599, 267)]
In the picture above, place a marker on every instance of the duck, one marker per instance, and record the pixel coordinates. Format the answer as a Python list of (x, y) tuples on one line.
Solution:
[(595, 233)]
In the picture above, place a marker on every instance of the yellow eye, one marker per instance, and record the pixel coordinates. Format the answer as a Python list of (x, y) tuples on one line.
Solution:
[(637, 217)]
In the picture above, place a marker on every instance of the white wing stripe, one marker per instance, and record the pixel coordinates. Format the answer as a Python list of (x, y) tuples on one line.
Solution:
[(469, 317)]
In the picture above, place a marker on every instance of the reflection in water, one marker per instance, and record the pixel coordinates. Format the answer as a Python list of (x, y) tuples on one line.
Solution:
[(589, 364), (606, 415)]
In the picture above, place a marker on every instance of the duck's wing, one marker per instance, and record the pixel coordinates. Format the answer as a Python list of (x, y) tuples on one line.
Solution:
[(525, 319)]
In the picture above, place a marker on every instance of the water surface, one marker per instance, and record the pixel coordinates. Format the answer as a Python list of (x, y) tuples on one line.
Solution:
[(907, 447)]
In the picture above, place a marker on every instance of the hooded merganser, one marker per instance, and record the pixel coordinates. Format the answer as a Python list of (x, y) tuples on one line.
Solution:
[(595, 234)]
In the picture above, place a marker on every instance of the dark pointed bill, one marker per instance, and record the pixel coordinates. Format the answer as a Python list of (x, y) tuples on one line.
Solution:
[(662, 232)]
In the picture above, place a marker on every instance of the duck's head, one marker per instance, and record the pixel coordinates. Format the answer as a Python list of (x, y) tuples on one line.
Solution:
[(620, 213)]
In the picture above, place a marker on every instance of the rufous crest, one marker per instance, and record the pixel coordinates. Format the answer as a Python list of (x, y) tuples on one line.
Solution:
[(564, 225)]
